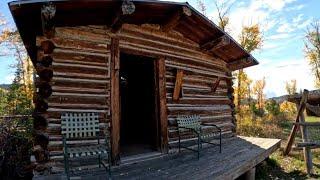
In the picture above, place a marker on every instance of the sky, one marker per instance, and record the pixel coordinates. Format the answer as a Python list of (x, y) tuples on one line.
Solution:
[(283, 23)]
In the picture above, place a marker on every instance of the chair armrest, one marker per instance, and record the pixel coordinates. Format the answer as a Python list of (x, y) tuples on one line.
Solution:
[(211, 125), (191, 129)]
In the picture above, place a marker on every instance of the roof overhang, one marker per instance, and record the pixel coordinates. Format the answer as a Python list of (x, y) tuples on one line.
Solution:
[(196, 27)]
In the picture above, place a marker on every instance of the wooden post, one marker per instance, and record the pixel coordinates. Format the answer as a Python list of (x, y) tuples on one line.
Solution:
[(115, 101), (178, 85), (163, 105), (306, 150), (294, 129), (251, 174)]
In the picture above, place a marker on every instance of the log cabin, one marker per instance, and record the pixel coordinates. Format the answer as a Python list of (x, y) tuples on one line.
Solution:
[(138, 63)]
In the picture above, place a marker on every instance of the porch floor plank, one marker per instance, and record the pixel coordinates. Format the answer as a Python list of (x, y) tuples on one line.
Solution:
[(239, 155)]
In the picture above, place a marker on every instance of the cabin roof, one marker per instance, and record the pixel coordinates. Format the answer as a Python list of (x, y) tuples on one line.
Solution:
[(197, 27)]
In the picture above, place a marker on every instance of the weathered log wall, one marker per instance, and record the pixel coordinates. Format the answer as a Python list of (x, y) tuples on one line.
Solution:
[(201, 71), (80, 64)]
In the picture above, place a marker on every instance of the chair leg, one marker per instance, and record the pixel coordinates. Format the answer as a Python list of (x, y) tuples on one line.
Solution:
[(199, 146), (66, 167), (99, 160), (109, 164), (220, 142), (179, 144)]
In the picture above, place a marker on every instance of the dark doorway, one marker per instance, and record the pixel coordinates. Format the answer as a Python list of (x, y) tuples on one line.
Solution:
[(139, 124)]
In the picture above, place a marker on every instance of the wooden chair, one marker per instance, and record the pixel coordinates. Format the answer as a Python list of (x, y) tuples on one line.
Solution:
[(193, 124), (83, 126)]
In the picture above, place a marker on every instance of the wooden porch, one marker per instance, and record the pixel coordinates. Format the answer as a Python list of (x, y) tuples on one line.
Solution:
[(239, 155)]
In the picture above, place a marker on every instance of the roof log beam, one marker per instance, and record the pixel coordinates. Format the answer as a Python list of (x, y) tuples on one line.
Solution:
[(127, 8), (242, 63), (216, 43), (175, 18), (48, 12)]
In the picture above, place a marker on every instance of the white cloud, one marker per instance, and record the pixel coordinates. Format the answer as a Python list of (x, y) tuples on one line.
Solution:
[(8, 79), (285, 28), (277, 74), (279, 36)]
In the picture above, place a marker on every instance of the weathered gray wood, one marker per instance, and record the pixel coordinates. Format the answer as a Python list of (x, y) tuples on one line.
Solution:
[(251, 174), (240, 155), (306, 150), (294, 129)]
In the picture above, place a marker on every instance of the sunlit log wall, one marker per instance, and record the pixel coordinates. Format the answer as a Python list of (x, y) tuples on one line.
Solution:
[(201, 71), (81, 77)]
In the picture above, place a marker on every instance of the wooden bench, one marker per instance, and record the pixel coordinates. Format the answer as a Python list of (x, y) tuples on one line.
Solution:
[(192, 123), (83, 126)]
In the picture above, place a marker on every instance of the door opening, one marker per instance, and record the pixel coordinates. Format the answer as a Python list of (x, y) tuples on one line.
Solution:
[(139, 120)]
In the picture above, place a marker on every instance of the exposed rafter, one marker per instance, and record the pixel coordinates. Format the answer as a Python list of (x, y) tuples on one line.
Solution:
[(215, 85), (242, 63), (216, 43), (127, 8), (48, 13), (175, 18)]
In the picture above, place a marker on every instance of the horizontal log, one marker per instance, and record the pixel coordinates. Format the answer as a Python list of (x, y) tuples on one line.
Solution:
[(80, 95), (83, 33), (82, 75), (197, 111), (200, 101), (83, 90), (151, 32), (194, 79), (80, 106), (79, 80), (57, 115), (75, 44), (195, 67), (77, 110), (309, 144), (153, 52), (81, 56), (198, 71), (199, 96), (79, 65), (308, 123), (80, 85), (82, 62)]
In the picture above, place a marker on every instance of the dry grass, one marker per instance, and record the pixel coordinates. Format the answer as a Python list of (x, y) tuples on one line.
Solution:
[(279, 166)]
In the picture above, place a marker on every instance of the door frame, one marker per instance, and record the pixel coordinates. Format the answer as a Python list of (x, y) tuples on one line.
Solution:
[(160, 95)]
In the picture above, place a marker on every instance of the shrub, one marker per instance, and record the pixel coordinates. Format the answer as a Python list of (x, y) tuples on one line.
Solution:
[(16, 148)]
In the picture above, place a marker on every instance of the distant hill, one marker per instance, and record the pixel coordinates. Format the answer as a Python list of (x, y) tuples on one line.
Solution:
[(5, 86), (280, 99)]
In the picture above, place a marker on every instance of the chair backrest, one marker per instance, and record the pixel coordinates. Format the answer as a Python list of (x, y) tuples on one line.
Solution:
[(79, 125), (188, 121)]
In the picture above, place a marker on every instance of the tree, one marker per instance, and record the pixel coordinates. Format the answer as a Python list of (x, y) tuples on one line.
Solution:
[(273, 107), (312, 49), (202, 7), (250, 39), (20, 94), (258, 90), (223, 8), (291, 87)]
